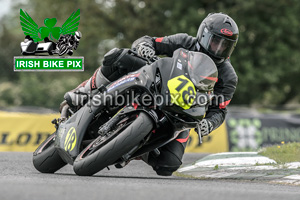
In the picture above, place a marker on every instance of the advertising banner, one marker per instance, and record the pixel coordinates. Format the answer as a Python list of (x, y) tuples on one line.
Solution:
[(240, 132), (252, 131), (24, 131), (215, 142)]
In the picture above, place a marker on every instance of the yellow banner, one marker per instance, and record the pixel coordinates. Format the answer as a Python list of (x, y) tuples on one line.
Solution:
[(24, 131), (215, 142)]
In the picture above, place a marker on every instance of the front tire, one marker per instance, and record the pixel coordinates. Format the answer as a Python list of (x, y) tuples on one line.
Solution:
[(90, 161), (46, 158), (62, 50)]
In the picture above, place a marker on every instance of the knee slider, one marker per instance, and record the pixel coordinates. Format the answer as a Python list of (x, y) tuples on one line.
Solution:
[(111, 56), (165, 164), (165, 171), (109, 67)]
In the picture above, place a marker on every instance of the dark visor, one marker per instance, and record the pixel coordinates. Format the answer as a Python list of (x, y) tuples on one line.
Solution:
[(218, 46)]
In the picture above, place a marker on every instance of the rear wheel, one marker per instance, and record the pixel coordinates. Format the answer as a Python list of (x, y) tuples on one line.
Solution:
[(106, 150), (46, 158)]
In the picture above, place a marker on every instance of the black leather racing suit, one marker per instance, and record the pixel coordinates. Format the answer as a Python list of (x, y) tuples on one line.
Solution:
[(227, 78)]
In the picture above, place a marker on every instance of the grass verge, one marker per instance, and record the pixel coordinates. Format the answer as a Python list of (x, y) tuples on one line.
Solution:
[(283, 153)]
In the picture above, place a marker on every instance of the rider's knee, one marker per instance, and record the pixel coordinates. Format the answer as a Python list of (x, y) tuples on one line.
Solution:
[(118, 62), (165, 170), (165, 164)]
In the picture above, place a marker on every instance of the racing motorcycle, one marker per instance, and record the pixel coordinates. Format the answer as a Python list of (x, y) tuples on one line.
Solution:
[(99, 135), (67, 43)]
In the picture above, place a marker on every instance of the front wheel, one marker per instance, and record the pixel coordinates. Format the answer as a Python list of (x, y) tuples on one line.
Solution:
[(105, 150), (46, 158), (62, 50)]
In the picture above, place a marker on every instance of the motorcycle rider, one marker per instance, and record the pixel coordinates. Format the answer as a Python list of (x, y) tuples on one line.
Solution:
[(217, 36), (69, 42)]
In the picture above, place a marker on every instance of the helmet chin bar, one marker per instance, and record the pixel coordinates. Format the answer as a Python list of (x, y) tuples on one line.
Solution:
[(215, 59)]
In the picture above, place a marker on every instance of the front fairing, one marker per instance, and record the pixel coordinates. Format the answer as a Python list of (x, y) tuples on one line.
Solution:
[(71, 132), (178, 89), (142, 78)]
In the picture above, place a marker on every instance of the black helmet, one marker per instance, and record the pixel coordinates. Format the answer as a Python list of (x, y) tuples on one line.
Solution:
[(218, 35)]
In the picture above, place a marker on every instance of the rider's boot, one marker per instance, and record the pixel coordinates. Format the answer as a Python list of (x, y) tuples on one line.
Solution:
[(79, 96)]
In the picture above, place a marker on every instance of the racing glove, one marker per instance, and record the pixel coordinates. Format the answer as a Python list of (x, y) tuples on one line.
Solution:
[(206, 127), (145, 50)]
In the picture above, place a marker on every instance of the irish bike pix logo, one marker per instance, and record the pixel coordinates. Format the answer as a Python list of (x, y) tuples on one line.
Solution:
[(49, 47)]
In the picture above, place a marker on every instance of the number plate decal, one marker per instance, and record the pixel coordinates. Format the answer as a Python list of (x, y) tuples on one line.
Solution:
[(70, 140), (182, 91)]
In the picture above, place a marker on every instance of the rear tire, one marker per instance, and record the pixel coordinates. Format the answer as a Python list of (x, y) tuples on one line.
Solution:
[(46, 158), (87, 164)]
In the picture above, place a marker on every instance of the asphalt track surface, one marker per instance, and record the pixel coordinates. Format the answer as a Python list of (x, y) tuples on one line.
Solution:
[(137, 181)]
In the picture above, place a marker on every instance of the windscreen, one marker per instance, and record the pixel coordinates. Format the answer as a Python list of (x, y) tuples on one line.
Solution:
[(202, 71)]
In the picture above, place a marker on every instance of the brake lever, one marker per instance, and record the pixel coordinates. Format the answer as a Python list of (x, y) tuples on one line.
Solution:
[(199, 133), (154, 58)]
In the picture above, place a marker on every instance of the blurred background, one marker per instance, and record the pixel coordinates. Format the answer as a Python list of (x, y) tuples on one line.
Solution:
[(266, 58)]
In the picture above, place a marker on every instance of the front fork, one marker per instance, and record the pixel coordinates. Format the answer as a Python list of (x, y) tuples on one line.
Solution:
[(124, 160)]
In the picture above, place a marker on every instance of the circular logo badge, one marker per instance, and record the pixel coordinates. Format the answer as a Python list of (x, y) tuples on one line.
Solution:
[(70, 140), (226, 32)]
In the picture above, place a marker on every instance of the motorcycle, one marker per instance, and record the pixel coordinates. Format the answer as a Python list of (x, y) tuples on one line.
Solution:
[(67, 43), (99, 135)]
